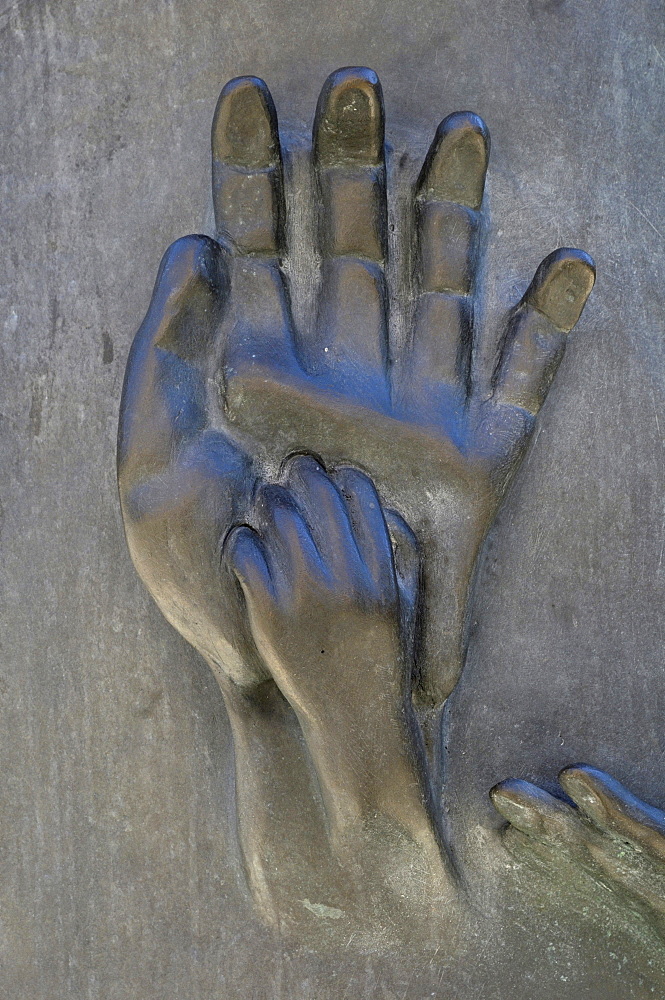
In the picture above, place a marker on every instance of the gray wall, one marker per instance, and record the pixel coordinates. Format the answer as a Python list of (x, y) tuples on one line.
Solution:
[(120, 872)]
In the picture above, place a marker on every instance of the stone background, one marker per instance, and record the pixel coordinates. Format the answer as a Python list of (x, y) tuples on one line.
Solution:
[(120, 873)]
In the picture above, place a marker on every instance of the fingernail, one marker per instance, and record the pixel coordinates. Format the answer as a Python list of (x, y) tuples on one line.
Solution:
[(349, 121), (456, 164), (244, 128), (561, 286)]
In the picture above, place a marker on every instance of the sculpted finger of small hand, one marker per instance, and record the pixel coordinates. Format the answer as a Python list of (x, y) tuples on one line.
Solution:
[(293, 555), (348, 140), (164, 394), (536, 334), (535, 812), (407, 560), (245, 555), (327, 515), (613, 808), (369, 527), (247, 168)]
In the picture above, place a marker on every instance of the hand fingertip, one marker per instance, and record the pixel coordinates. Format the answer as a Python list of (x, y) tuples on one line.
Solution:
[(561, 286), (240, 551), (244, 128), (595, 792), (509, 804), (531, 809), (352, 481), (349, 120), (456, 163), (230, 545), (299, 465), (193, 278), (403, 531)]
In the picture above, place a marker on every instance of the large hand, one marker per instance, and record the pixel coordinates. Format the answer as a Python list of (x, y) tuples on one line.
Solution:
[(441, 444), (611, 834)]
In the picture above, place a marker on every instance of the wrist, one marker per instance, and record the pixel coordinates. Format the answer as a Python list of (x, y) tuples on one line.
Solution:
[(369, 763)]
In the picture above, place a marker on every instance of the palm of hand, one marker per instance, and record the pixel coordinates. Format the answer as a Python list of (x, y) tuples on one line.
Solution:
[(441, 446)]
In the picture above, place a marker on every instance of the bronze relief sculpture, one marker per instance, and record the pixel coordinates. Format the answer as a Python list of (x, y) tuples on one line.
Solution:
[(307, 504)]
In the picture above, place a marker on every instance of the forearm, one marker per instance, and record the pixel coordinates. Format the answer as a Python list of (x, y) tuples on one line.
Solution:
[(370, 763), (280, 817)]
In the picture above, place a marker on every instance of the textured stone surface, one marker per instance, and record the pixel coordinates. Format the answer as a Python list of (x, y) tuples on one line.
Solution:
[(120, 871)]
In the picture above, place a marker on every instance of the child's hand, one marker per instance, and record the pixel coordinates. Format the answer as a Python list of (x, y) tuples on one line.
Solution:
[(325, 605), (331, 608)]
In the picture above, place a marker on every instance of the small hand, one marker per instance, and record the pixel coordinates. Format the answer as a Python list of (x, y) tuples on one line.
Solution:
[(320, 584), (331, 617), (611, 834), (441, 443)]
